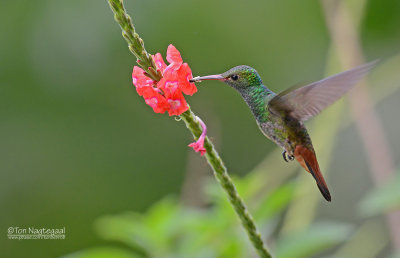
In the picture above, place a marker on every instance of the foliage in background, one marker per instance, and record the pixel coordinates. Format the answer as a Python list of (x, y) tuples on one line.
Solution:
[(169, 229), (77, 142), (382, 199)]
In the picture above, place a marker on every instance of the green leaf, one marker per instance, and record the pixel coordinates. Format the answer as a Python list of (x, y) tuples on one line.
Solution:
[(383, 199), (395, 255), (151, 232), (319, 237), (275, 202), (128, 228)]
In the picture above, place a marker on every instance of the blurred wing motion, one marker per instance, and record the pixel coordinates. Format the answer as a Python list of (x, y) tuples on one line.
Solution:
[(308, 101)]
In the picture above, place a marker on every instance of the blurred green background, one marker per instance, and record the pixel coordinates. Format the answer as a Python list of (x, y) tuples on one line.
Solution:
[(78, 143)]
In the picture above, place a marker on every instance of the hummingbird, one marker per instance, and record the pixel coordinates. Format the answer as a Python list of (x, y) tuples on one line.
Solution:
[(281, 117)]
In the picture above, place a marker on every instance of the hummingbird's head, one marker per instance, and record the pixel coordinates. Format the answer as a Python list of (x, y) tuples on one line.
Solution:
[(239, 77)]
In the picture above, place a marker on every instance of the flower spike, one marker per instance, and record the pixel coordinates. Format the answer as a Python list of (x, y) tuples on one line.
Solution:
[(167, 93)]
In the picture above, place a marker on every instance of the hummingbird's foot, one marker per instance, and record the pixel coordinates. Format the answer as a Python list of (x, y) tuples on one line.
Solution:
[(286, 157)]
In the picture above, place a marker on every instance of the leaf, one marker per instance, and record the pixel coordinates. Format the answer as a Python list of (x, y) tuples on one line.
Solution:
[(127, 228), (383, 199), (395, 255), (319, 237), (275, 202), (151, 231)]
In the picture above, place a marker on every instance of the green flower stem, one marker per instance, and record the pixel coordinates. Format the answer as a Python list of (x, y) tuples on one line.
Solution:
[(226, 182), (135, 43), (145, 60)]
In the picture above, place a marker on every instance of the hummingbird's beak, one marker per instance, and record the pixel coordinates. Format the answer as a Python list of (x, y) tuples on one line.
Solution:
[(208, 77)]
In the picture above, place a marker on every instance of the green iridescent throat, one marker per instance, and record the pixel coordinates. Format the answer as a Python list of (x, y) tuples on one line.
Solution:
[(257, 98)]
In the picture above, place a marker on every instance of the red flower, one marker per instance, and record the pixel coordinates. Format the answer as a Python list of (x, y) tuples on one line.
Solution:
[(179, 78), (185, 74), (177, 104), (167, 95), (174, 58), (198, 146), (158, 103), (143, 83), (159, 62)]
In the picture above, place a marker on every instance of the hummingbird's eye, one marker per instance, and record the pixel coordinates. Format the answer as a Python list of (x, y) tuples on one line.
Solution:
[(234, 77)]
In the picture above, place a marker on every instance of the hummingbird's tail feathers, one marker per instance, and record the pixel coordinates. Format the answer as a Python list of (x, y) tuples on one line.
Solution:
[(323, 188), (308, 161)]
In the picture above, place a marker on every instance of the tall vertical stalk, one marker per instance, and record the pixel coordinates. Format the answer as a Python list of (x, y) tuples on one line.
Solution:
[(343, 30), (145, 60)]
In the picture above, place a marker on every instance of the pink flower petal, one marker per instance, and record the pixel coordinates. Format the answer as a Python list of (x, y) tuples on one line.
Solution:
[(166, 94), (141, 81), (173, 55), (158, 59), (185, 74), (158, 103), (198, 146), (177, 104)]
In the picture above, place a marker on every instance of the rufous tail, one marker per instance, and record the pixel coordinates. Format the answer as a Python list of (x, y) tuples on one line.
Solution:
[(308, 161)]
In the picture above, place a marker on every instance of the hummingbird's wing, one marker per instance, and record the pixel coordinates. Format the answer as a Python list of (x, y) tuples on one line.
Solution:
[(308, 101)]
